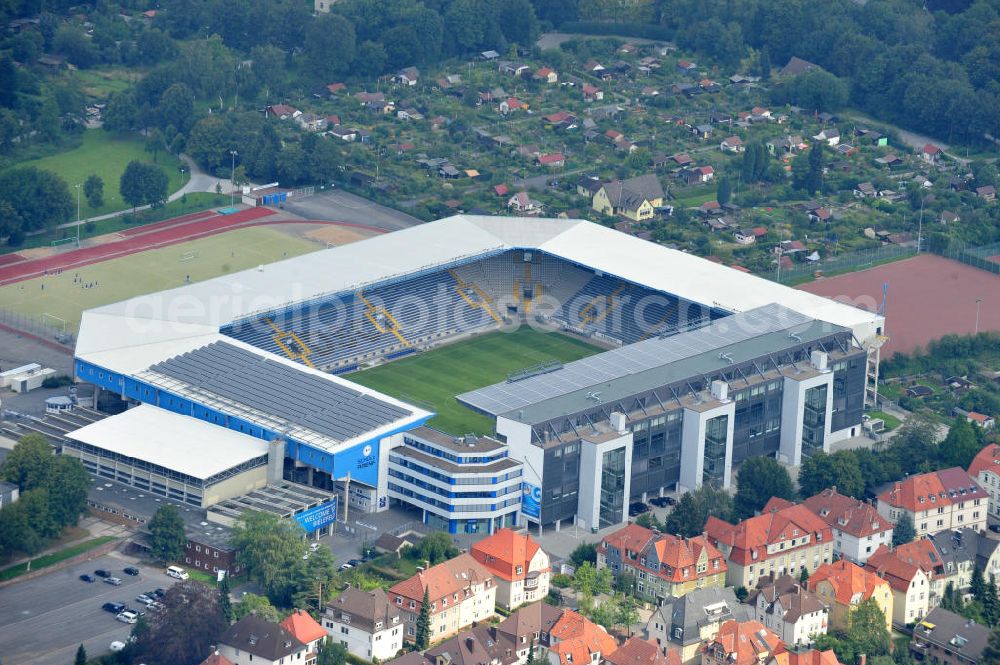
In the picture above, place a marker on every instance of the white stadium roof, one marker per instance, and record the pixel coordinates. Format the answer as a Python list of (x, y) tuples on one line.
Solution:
[(131, 335), (187, 445)]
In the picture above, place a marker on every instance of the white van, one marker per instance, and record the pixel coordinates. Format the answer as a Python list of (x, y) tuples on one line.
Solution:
[(177, 572)]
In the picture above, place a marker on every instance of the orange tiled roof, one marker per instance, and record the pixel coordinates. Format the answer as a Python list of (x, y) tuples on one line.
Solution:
[(988, 459), (637, 651), (678, 555), (780, 522), (851, 583), (851, 516), (898, 572), (929, 490), (575, 639), (303, 627), (921, 553), (812, 657), (504, 551), (445, 579), (216, 659), (747, 643)]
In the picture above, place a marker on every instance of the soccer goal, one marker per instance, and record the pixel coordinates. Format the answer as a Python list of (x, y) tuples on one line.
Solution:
[(187, 257), (65, 241)]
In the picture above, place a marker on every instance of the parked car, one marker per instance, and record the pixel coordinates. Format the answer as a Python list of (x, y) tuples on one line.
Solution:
[(155, 606), (995, 528), (637, 508), (314, 545), (116, 646), (127, 616), (88, 578), (159, 593), (177, 573), (113, 581), (144, 599), (355, 562), (663, 501), (346, 566), (132, 570), (102, 573), (114, 608)]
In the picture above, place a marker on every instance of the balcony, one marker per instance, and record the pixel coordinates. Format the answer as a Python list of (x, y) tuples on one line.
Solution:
[(531, 581)]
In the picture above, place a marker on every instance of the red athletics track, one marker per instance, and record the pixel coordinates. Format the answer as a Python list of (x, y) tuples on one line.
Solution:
[(151, 236)]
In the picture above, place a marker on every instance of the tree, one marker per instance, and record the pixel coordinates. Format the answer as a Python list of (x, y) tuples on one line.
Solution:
[(760, 479), (582, 553), (841, 470), (531, 653), (225, 601), (8, 82), (903, 532), (688, 517), (591, 581), (315, 579), (331, 653), (764, 64), (866, 631), (81, 656), (961, 444), (167, 530), (329, 44), (991, 654), (723, 191), (93, 189), (155, 142), (182, 632), (436, 547), (422, 638), (30, 462), (40, 198), (121, 113), (176, 108), (251, 603), (143, 183), (69, 484), (270, 549), (803, 576)]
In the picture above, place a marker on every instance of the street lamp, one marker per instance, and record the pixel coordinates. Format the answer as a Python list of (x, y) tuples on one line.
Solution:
[(78, 186), (232, 179), (979, 301)]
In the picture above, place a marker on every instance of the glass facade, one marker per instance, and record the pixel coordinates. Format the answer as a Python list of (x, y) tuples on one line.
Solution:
[(714, 471), (814, 420), (757, 421), (656, 453), (848, 392), (612, 487)]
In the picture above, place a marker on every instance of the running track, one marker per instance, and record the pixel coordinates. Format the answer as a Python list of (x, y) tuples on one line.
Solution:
[(15, 268)]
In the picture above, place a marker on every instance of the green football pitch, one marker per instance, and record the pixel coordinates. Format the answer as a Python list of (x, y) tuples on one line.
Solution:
[(62, 299), (433, 378)]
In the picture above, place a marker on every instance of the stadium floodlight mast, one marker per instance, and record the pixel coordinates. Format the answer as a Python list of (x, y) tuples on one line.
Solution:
[(979, 301), (232, 179), (78, 188)]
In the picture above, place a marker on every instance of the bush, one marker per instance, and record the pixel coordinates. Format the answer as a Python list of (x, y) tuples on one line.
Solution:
[(57, 381), (561, 581)]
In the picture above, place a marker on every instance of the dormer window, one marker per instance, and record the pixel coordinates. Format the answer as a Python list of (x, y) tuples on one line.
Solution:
[(920, 499), (519, 570), (933, 499)]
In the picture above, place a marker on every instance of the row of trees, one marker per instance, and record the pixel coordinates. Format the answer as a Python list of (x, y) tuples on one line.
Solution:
[(53, 494), (32, 199)]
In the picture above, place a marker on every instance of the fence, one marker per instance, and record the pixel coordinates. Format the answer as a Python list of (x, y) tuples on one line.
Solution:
[(977, 257), (844, 262), (37, 325)]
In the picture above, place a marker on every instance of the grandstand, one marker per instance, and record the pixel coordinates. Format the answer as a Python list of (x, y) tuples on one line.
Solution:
[(257, 351)]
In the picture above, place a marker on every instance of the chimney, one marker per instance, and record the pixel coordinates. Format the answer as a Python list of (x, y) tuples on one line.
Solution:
[(862, 659)]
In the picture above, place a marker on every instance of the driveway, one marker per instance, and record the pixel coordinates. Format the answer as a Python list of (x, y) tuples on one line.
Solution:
[(44, 620)]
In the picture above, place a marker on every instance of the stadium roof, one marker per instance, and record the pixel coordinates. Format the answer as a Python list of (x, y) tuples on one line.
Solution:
[(650, 364), (131, 335), (278, 394), (187, 445)]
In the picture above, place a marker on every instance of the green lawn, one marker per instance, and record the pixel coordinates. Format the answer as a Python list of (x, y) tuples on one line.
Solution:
[(153, 270), (100, 83), (891, 421), (105, 154), (435, 377), (55, 557)]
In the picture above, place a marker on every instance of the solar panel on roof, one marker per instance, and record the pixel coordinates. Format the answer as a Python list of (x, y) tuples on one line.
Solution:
[(260, 383)]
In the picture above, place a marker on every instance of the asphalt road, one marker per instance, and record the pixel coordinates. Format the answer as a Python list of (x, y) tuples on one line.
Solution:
[(43, 621), (340, 206)]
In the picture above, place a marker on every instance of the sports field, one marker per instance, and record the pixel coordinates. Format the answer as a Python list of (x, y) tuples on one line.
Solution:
[(434, 378), (146, 272)]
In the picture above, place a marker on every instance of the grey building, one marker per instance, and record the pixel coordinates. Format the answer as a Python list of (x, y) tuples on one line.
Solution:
[(672, 413), (948, 639), (688, 621)]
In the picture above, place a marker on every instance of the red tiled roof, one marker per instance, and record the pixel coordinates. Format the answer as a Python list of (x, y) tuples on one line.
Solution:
[(504, 551), (575, 639), (501, 190), (559, 116), (551, 159), (851, 583), (759, 231), (774, 525), (894, 570), (977, 417), (637, 651), (706, 170), (921, 553), (811, 657), (931, 149), (747, 643), (303, 627), (445, 579), (217, 659), (336, 87), (851, 516), (938, 488)]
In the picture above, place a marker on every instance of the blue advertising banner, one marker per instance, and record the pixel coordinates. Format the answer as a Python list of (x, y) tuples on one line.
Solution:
[(531, 500), (318, 517)]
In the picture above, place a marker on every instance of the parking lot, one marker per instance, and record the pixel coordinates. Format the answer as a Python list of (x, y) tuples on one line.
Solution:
[(43, 621)]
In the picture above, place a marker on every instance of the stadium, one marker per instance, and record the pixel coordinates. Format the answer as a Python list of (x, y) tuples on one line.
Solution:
[(645, 370)]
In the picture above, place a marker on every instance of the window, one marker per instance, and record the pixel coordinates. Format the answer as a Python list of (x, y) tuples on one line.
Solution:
[(344, 630)]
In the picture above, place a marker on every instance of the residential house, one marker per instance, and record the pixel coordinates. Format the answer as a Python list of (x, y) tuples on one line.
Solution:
[(343, 133), (922, 553), (937, 501), (949, 639), (552, 160), (858, 528), (594, 67), (744, 237), (987, 193), (592, 93), (784, 538), (513, 68), (524, 205), (663, 565), (686, 623), (216, 659), (682, 159), (283, 111), (519, 565), (546, 75), (532, 624), (366, 623), (636, 198), (510, 105), (892, 160), (333, 121), (820, 215), (742, 643), (408, 76), (709, 86), (375, 101), (389, 543), (461, 592), (255, 640), (794, 613), (704, 173), (760, 113), (476, 646), (312, 122), (703, 132), (811, 657), (865, 190), (910, 585), (985, 468), (733, 144), (930, 153), (785, 145), (843, 585), (561, 119), (409, 113), (305, 629), (949, 217), (576, 640), (830, 136), (637, 651), (588, 185), (687, 67), (962, 550)]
